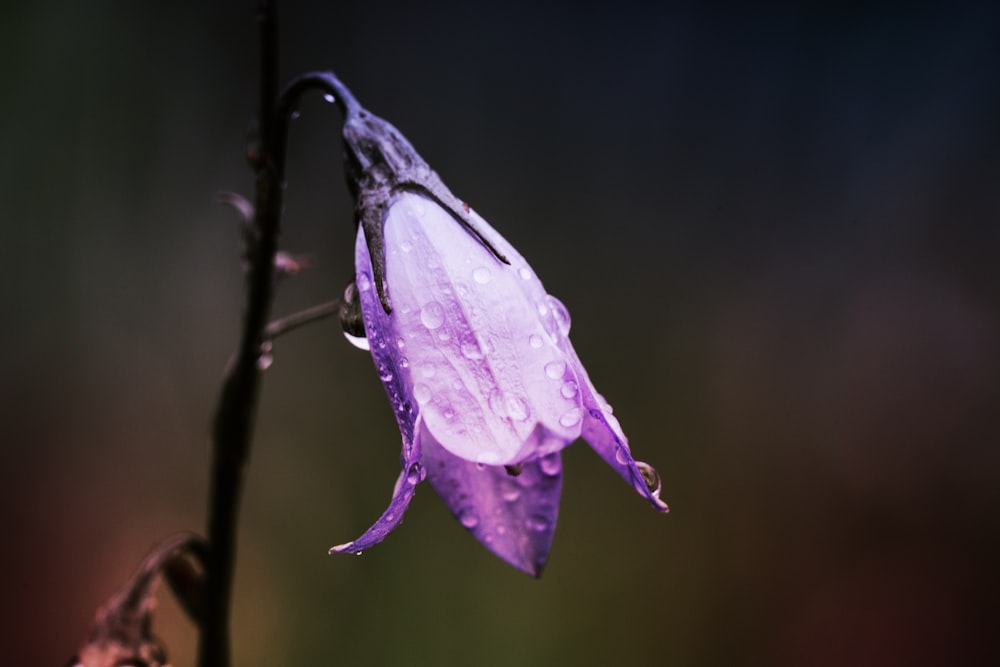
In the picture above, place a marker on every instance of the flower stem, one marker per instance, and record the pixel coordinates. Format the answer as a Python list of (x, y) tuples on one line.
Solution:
[(234, 417)]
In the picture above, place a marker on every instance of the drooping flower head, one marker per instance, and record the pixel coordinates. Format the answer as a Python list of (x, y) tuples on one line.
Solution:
[(473, 353)]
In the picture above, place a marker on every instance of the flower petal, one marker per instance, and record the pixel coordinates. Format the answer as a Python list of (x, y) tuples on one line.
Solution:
[(483, 363), (514, 516), (604, 434), (413, 473)]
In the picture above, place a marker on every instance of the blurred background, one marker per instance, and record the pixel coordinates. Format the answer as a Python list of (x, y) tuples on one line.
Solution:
[(776, 230)]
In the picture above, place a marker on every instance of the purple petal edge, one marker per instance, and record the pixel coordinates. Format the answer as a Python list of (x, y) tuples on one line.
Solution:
[(604, 435), (514, 516), (413, 473)]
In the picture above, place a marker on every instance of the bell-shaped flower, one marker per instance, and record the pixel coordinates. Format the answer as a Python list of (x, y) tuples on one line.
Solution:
[(474, 355)]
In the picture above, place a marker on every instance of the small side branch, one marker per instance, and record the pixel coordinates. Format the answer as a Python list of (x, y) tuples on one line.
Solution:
[(301, 318)]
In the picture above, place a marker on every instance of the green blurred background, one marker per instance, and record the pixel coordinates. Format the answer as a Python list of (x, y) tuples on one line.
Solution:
[(777, 233)]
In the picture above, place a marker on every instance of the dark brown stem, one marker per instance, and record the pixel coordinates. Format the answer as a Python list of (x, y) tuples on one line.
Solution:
[(238, 402)]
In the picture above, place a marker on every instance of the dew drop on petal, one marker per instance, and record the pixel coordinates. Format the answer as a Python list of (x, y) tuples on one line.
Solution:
[(524, 272), (535, 341), (400, 343), (481, 275), (406, 246), (364, 284), (428, 370), (416, 474), (404, 363), (537, 523), (264, 362), (390, 516), (555, 369), (569, 389), (449, 414), (497, 404), (571, 417), (470, 350), (517, 408), (650, 477), (432, 315), (561, 314), (622, 455), (468, 518), (509, 490), (422, 393), (329, 98), (359, 342), (550, 464)]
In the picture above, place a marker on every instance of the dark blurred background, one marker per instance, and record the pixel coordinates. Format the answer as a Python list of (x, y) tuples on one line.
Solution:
[(776, 230)]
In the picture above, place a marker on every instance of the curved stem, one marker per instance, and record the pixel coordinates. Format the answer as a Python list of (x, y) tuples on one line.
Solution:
[(238, 401), (326, 82), (233, 424)]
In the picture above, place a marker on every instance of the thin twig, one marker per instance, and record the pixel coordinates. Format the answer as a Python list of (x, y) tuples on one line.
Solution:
[(301, 318)]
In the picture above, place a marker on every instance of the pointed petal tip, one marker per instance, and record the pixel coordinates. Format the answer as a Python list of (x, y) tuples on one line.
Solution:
[(345, 548)]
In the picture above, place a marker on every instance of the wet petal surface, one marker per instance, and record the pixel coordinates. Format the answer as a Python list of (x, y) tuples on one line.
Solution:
[(514, 516), (480, 339)]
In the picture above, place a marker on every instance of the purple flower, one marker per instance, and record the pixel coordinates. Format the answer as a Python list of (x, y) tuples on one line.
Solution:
[(474, 356)]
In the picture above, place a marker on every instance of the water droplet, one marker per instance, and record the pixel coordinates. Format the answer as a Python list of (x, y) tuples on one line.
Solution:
[(650, 477), (406, 246), (385, 375), (419, 209), (359, 342), (543, 309), (481, 275), (537, 523), (264, 362), (561, 314), (497, 404), (449, 414), (404, 363), (622, 455), (571, 417), (390, 517), (550, 464), (400, 343), (422, 393), (330, 98), (569, 389), (470, 350), (524, 272), (509, 490), (432, 315), (416, 474), (535, 341), (364, 282), (555, 369), (428, 370), (517, 408), (468, 518)]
